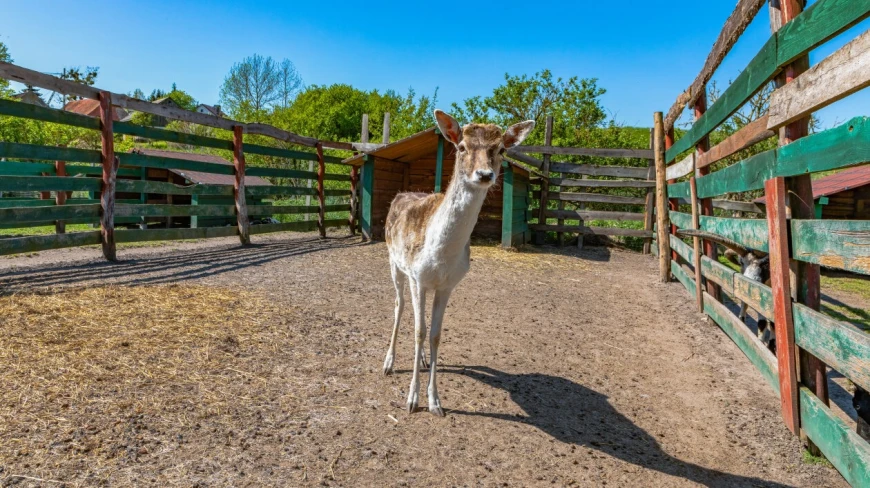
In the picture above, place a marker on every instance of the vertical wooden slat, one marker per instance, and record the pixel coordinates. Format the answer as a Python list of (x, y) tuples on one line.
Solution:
[(663, 220), (143, 197), (354, 202), (582, 206), (507, 209), (706, 204), (649, 211), (309, 184), (813, 372), (194, 219), (439, 163), (673, 204), (696, 224), (368, 185), (60, 196), (545, 182), (321, 199), (774, 190), (239, 185), (110, 173)]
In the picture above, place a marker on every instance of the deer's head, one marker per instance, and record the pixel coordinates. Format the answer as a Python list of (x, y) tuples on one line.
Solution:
[(480, 148)]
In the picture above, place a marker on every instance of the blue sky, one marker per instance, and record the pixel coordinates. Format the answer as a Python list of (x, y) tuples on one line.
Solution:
[(643, 53)]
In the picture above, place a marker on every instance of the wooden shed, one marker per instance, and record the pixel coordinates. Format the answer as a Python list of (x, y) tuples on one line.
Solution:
[(843, 195), (425, 162)]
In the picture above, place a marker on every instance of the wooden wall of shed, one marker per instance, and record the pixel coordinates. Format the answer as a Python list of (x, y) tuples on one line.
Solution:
[(849, 204), (520, 232), (393, 177)]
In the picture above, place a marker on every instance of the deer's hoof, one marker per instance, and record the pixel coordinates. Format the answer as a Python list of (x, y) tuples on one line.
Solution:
[(388, 366), (413, 402), (437, 410)]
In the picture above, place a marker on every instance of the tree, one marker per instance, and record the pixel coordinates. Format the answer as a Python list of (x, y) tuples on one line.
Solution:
[(256, 84), (6, 58), (180, 97), (88, 77)]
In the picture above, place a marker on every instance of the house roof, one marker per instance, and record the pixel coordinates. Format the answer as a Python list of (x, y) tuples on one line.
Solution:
[(412, 148), (91, 108), (838, 182), (213, 109), (199, 177)]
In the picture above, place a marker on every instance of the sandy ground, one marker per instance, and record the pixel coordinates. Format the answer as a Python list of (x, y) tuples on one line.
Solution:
[(558, 368)]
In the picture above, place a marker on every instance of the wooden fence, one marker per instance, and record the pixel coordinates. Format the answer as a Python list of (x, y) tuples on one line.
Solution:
[(807, 341), (610, 193), (105, 174)]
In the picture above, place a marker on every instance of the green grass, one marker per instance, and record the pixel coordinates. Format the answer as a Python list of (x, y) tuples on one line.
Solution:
[(815, 460), (44, 230), (857, 311)]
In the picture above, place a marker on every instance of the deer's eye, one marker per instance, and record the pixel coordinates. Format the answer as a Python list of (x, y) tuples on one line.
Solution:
[(461, 148)]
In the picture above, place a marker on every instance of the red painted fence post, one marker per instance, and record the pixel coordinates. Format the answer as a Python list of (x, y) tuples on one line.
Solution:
[(239, 185), (780, 280), (321, 199), (110, 173), (60, 196)]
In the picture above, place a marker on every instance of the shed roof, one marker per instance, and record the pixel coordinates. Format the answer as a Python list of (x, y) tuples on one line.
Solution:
[(91, 108), (199, 177), (412, 148), (843, 181)]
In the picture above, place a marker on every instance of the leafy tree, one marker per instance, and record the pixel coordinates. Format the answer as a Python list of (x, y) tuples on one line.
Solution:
[(6, 58), (180, 97), (256, 84), (88, 77)]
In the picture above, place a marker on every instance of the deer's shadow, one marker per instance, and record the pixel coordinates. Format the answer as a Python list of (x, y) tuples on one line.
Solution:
[(575, 414)]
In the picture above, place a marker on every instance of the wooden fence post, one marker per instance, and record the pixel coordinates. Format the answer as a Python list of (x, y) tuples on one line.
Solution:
[(507, 209), (663, 220), (60, 196), (321, 199), (540, 236), (239, 185), (110, 174), (354, 205), (813, 372), (696, 224), (368, 188), (673, 203), (780, 280), (706, 204), (649, 210)]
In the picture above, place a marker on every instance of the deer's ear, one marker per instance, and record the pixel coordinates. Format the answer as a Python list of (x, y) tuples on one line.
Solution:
[(450, 128), (517, 133)]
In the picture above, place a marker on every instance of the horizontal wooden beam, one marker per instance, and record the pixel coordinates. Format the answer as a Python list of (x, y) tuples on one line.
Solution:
[(602, 183), (600, 231), (591, 198), (594, 215), (836, 77), (17, 245), (594, 170), (841, 244), (682, 168), (734, 27), (49, 183), (684, 250), (587, 151), (749, 135), (524, 158)]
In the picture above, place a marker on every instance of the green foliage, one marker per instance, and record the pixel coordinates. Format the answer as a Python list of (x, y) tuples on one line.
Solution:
[(6, 58), (180, 97), (257, 84), (87, 76), (14, 129)]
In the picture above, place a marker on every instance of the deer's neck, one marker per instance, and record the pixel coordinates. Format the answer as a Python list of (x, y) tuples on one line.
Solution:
[(450, 228)]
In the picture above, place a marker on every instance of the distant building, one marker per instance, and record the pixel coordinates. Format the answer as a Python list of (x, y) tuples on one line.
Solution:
[(32, 96), (210, 110), (91, 108), (842, 195)]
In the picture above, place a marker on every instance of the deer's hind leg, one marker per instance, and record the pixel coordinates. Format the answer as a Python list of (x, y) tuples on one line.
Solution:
[(399, 280)]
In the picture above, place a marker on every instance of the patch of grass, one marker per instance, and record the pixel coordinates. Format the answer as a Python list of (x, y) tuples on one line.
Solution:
[(727, 262), (815, 460), (44, 230), (859, 285)]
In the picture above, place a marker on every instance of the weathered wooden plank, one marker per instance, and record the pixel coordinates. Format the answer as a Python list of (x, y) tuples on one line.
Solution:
[(55, 212), (755, 351), (157, 210), (594, 215), (600, 231), (683, 277), (47, 153), (146, 161), (679, 191), (782, 307), (277, 191), (545, 181), (239, 186), (594, 170), (507, 215), (841, 345), (751, 134), (840, 444), (718, 273), (321, 198), (696, 241), (261, 210), (816, 25), (566, 182), (303, 226), (681, 220), (164, 188), (587, 151), (682, 168), (48, 183), (110, 175), (842, 244), (747, 175), (524, 158), (18, 245), (838, 76), (754, 294), (663, 220), (751, 233), (591, 198), (280, 152), (45, 114), (736, 206), (756, 74), (368, 185), (683, 249), (734, 27)]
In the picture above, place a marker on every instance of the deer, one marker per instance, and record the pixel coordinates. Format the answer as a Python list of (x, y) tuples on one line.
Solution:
[(429, 238)]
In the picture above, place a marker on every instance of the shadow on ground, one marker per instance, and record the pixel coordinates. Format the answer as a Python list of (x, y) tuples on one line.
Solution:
[(575, 414), (164, 269)]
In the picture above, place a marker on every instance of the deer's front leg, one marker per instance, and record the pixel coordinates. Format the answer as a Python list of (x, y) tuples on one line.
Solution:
[(418, 299), (438, 308)]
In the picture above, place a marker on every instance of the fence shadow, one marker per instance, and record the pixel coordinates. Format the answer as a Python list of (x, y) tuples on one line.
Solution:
[(165, 268), (572, 413)]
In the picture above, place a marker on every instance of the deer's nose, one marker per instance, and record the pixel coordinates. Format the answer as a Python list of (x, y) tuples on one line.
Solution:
[(484, 175)]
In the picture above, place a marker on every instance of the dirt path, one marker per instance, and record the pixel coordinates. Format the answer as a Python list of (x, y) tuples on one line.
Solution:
[(559, 369)]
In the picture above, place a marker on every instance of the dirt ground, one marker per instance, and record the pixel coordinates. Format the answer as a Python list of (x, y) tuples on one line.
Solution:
[(261, 366)]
